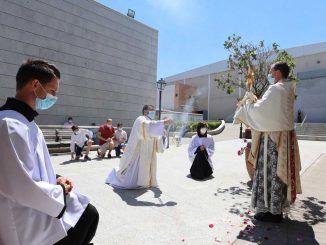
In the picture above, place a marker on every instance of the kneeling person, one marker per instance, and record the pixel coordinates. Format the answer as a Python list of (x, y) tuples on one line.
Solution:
[(200, 151), (80, 138)]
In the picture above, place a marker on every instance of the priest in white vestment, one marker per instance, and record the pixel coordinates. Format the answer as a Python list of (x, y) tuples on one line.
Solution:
[(274, 152), (137, 168), (37, 207)]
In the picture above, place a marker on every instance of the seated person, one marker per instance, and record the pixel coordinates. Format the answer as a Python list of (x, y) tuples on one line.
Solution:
[(105, 136), (80, 138), (94, 131), (200, 151), (69, 123), (120, 139)]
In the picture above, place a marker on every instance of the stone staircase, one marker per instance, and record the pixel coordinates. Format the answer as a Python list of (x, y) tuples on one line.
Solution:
[(311, 131)]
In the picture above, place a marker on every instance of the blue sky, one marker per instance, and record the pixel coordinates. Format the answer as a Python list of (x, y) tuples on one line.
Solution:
[(192, 32)]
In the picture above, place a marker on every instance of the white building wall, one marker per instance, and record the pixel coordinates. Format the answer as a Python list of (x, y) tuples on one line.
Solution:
[(108, 61)]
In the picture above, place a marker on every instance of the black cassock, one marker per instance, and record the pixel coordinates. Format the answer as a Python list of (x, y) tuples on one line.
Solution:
[(200, 168)]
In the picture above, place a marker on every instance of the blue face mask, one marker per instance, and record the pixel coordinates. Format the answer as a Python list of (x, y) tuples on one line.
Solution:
[(151, 114), (271, 79), (46, 103), (43, 104)]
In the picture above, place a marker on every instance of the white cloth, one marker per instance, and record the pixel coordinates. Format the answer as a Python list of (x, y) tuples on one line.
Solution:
[(273, 112), (137, 168), (30, 199), (207, 142), (120, 136), (80, 138)]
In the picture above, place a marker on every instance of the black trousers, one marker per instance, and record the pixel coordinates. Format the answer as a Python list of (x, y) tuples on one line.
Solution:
[(84, 230)]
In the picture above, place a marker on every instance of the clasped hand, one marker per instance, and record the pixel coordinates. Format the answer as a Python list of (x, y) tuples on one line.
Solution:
[(68, 184)]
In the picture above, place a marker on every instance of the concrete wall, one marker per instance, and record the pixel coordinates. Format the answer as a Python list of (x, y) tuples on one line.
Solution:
[(108, 61)]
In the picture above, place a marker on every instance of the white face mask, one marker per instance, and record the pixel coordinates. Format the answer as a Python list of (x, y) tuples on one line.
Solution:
[(203, 131), (151, 114), (109, 125), (271, 79)]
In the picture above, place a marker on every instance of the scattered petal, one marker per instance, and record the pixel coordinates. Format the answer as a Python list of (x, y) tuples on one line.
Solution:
[(241, 215), (210, 225), (217, 240)]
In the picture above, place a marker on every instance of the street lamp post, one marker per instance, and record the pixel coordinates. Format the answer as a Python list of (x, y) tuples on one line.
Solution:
[(160, 86), (240, 131)]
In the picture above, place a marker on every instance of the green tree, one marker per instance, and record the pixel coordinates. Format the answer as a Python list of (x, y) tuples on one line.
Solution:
[(250, 60)]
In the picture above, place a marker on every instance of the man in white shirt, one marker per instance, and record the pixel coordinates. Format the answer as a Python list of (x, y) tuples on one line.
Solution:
[(81, 137), (36, 205), (119, 139)]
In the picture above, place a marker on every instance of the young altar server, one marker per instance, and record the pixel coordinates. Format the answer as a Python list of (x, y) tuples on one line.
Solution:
[(200, 151), (36, 206), (274, 151), (137, 167)]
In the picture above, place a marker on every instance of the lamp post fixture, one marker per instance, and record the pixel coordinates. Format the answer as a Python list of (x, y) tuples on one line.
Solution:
[(160, 86)]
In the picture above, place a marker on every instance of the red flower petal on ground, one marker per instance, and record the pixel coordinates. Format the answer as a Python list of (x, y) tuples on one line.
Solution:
[(241, 215), (245, 140), (239, 152), (210, 225)]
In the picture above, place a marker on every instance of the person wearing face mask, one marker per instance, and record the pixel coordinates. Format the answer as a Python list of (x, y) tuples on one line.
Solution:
[(200, 151), (81, 137), (105, 135), (137, 168), (274, 150), (69, 123), (120, 138), (36, 205)]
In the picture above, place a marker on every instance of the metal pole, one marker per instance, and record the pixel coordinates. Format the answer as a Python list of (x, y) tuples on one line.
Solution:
[(240, 130), (159, 105)]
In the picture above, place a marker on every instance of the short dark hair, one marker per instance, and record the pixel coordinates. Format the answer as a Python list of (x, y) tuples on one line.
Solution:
[(69, 118), (36, 69), (146, 107), (283, 67), (119, 124), (199, 126), (73, 128)]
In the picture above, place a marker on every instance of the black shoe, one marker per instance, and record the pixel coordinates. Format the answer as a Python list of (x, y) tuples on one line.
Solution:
[(87, 158), (109, 156), (269, 217)]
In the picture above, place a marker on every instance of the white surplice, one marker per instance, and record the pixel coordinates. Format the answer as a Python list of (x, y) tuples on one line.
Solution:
[(30, 199), (137, 168), (273, 112), (207, 142)]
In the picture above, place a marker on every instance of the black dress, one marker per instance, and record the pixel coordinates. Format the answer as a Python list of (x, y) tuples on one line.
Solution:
[(200, 168)]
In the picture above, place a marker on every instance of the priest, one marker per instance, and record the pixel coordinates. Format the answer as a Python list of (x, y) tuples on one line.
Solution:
[(137, 168), (36, 205), (274, 151)]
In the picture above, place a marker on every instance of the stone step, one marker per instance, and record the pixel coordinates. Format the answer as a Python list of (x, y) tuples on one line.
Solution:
[(311, 137)]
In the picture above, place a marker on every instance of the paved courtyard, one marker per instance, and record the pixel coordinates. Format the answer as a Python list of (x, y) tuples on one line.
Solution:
[(184, 211)]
